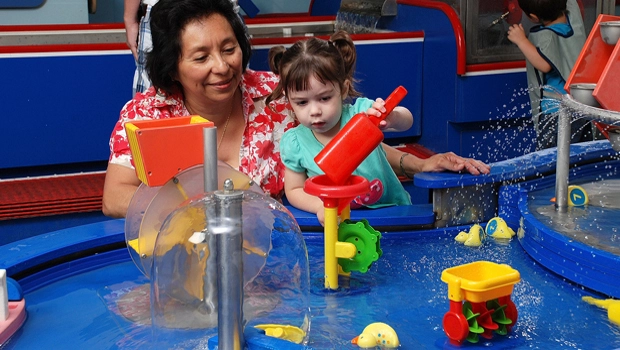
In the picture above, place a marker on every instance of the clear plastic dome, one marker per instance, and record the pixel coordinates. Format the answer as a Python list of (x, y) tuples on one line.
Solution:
[(275, 265), (149, 207)]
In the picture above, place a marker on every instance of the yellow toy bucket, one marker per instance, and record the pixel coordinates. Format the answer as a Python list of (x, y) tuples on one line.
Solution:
[(480, 281)]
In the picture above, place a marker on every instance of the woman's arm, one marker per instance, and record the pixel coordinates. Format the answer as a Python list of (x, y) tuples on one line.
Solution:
[(120, 185), (438, 162)]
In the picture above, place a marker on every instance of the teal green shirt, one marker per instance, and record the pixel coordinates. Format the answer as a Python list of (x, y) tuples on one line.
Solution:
[(298, 148)]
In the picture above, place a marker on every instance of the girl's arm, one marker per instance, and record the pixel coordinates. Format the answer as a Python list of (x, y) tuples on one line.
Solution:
[(516, 34), (294, 190)]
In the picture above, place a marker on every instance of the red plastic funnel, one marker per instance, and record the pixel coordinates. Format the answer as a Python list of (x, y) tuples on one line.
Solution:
[(345, 152)]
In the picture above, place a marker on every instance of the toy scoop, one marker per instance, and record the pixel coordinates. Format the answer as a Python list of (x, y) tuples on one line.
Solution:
[(473, 238), (287, 332), (377, 334), (355, 141), (498, 228), (612, 306)]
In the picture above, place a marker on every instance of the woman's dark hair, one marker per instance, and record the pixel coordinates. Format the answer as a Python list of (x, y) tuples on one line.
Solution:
[(168, 19), (327, 61), (545, 10)]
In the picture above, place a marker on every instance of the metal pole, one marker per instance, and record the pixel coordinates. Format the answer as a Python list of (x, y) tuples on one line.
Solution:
[(229, 238), (225, 263), (210, 158), (563, 161), (210, 185)]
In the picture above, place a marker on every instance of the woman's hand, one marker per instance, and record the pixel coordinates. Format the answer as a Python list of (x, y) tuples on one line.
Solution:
[(452, 162)]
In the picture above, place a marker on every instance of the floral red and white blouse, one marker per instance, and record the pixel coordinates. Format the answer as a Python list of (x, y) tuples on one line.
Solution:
[(259, 155)]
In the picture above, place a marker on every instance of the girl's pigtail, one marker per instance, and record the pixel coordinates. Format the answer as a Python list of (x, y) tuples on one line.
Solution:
[(275, 57), (343, 42)]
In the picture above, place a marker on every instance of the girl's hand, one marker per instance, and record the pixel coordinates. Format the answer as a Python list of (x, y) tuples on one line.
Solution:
[(377, 109), (321, 216)]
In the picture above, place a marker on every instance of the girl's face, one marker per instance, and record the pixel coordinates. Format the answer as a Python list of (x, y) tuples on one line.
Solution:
[(210, 66), (319, 107)]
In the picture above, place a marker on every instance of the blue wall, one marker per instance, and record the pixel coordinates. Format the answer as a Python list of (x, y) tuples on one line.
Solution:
[(62, 109)]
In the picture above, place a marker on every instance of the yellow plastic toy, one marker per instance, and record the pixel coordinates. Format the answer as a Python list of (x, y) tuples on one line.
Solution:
[(336, 202), (479, 294), (612, 306), (497, 228), (577, 196), (473, 238), (281, 331), (377, 334)]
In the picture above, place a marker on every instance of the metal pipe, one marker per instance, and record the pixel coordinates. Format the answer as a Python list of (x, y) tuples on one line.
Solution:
[(210, 185), (210, 159), (562, 162), (224, 273), (229, 238), (590, 113)]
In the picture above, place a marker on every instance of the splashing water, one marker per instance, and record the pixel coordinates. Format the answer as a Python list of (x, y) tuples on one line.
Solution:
[(511, 128), (358, 16), (356, 23)]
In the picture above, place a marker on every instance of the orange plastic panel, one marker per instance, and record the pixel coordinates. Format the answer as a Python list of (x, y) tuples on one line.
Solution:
[(161, 148), (607, 89), (593, 58)]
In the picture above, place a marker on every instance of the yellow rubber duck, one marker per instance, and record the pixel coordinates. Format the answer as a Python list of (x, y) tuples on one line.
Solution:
[(612, 306), (473, 238), (377, 334), (497, 228), (282, 331)]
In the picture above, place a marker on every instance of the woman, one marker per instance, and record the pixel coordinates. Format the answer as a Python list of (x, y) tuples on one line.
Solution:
[(197, 67)]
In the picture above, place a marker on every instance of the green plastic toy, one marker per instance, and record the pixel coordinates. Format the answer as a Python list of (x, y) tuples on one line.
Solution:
[(367, 241)]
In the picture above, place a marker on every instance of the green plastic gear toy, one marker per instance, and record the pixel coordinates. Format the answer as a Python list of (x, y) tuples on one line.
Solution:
[(474, 327), (499, 316), (367, 241)]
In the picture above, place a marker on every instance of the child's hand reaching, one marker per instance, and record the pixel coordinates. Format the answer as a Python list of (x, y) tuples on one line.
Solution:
[(400, 119), (377, 109), (516, 34)]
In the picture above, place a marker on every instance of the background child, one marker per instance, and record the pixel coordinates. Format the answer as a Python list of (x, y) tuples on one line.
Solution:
[(316, 76), (551, 52)]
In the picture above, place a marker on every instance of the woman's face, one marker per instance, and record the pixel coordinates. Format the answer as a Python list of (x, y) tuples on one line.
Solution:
[(210, 66)]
